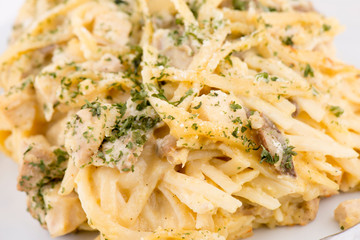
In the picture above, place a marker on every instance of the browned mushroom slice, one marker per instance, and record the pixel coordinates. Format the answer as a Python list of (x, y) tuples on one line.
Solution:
[(297, 109), (275, 148), (165, 145)]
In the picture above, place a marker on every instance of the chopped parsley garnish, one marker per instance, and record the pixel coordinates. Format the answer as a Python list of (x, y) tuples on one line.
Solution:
[(235, 132), (139, 124), (121, 107), (176, 37), (160, 95), (137, 59), (179, 21), (41, 165), (228, 59), (187, 94), (308, 71), (53, 74), (288, 41), (28, 149), (266, 156), (234, 106), (274, 79), (139, 96), (95, 108), (326, 27), (128, 169), (287, 165), (119, 2), (198, 106), (263, 75), (240, 5), (162, 61), (61, 155), (243, 129), (271, 9), (336, 110), (196, 37), (195, 7)]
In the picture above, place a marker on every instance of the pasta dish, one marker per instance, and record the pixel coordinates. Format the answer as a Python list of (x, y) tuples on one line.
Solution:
[(177, 119)]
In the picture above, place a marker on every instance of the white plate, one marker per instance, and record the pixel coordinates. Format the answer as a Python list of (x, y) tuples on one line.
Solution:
[(16, 223)]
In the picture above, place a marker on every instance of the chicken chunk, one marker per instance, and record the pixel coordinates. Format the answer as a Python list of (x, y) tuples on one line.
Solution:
[(180, 56), (108, 63), (41, 163), (113, 27), (86, 132), (347, 214), (227, 108), (18, 110), (41, 167), (125, 143), (64, 213)]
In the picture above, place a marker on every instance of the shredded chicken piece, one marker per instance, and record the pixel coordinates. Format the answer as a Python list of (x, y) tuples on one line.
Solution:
[(180, 56), (108, 63), (113, 27), (347, 214), (64, 213), (39, 162), (86, 133), (229, 109), (18, 110), (41, 171)]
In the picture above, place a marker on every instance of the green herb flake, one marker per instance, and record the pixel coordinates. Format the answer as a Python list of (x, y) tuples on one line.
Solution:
[(234, 106), (266, 156), (235, 132), (336, 110), (262, 75), (28, 149), (308, 71), (119, 2), (95, 108), (326, 27), (61, 156), (228, 59), (240, 5), (187, 94), (243, 129), (288, 41), (198, 106)]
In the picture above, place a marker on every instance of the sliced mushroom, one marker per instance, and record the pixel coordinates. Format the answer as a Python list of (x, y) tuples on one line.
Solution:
[(297, 109), (165, 145), (275, 148)]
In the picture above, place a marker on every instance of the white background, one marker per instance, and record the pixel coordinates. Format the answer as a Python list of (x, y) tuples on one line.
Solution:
[(16, 223)]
